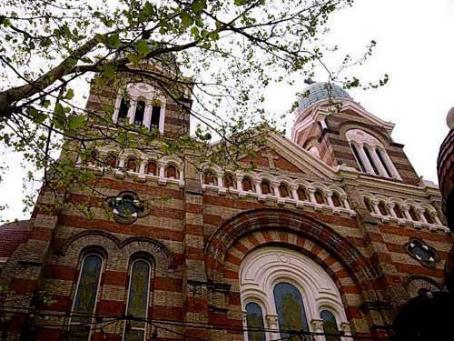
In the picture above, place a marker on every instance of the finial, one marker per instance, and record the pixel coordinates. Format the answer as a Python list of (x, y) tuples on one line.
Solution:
[(450, 118)]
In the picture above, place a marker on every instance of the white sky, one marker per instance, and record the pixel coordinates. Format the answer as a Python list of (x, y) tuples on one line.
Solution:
[(414, 46)]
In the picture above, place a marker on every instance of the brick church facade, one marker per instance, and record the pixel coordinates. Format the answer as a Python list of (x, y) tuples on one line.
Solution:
[(325, 238)]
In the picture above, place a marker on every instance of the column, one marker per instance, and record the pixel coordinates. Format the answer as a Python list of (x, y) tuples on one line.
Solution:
[(258, 188), (147, 115), (311, 192), (420, 212), (391, 209), (161, 172), (390, 164), (405, 209), (132, 111), (142, 174), (239, 184), (295, 193), (271, 323), (275, 186), (377, 161), (329, 198), (317, 327), (374, 203), (116, 109), (364, 158), (162, 116), (346, 203)]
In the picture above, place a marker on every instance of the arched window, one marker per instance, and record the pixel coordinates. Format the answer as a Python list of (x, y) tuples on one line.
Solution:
[(131, 165), (124, 108), (330, 326), (290, 310), (266, 187), (291, 286), (398, 211), (413, 214), (336, 200), (152, 168), (319, 197), (382, 208), (138, 299), (155, 116), (254, 321), (283, 191), (209, 178), (140, 111), (86, 296), (301, 194), (111, 161), (171, 172), (371, 154), (229, 181), (247, 185), (429, 217)]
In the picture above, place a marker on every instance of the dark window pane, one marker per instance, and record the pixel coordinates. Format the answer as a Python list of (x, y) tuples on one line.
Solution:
[(302, 194), (151, 168), (85, 299), (124, 108), (336, 200), (385, 166), (398, 211), (329, 326), (140, 110), (319, 197), (290, 310), (382, 208), (413, 214), (254, 319), (247, 185), (229, 181), (155, 116), (371, 161), (171, 172), (358, 159)]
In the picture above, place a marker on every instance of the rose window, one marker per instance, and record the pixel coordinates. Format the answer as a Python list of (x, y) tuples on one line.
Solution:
[(126, 207)]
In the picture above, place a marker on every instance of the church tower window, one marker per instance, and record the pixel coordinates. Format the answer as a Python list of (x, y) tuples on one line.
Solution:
[(382, 208), (155, 117), (429, 217), (86, 296), (370, 154), (398, 211), (124, 108), (254, 322), (138, 299), (413, 214), (140, 112), (290, 310), (369, 206), (330, 326)]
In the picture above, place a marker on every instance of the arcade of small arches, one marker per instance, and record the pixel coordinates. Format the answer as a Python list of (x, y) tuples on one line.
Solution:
[(142, 105), (371, 155), (403, 212), (269, 187), (132, 163)]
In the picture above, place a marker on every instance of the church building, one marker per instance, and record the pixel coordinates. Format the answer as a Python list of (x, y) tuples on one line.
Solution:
[(326, 237)]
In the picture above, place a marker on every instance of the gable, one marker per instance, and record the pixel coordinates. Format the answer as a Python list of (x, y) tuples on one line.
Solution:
[(283, 156)]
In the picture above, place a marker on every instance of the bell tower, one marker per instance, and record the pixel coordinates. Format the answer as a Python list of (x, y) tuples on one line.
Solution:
[(145, 98), (339, 131)]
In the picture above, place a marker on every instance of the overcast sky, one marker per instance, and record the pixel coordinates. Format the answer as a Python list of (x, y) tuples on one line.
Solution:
[(414, 46)]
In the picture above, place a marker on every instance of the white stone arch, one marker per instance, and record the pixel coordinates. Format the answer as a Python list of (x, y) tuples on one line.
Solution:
[(262, 269)]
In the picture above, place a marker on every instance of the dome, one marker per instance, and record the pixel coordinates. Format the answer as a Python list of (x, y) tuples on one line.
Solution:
[(321, 91)]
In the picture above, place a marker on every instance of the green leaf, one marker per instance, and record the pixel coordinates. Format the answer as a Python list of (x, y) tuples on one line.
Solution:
[(76, 121), (113, 41), (142, 47), (199, 5), (37, 116), (186, 19), (69, 94), (108, 70)]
